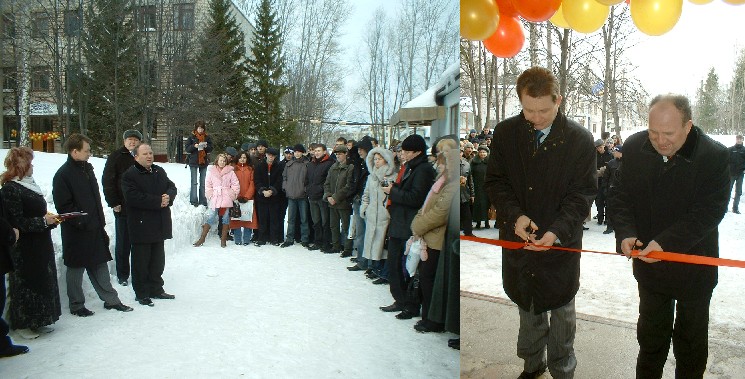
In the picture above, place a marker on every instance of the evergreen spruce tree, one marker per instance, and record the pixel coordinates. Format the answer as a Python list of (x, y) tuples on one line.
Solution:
[(265, 68), (220, 92), (108, 83), (707, 104)]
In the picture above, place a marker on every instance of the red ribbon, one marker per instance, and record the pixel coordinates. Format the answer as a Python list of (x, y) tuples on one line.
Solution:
[(661, 255)]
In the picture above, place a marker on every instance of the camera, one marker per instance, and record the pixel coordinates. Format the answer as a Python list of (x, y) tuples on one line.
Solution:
[(384, 183)]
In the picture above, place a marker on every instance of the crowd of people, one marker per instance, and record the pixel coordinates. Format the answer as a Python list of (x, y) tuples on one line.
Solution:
[(362, 202)]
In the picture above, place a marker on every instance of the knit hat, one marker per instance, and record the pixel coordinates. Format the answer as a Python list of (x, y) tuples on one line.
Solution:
[(299, 147), (340, 149), (473, 131), (262, 142), (365, 144), (230, 150), (272, 151), (414, 142), (484, 148), (599, 142), (132, 133)]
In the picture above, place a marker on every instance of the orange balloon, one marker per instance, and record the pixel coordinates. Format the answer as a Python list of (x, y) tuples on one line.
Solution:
[(478, 19), (734, 2), (508, 40), (536, 10), (656, 17), (585, 16), (506, 8)]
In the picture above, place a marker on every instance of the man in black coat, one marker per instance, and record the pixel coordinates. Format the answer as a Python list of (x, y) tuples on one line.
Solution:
[(269, 198), (85, 244), (736, 169), (118, 162), (318, 170), (148, 196), (602, 157), (406, 197), (671, 196), (358, 159), (8, 237), (541, 180)]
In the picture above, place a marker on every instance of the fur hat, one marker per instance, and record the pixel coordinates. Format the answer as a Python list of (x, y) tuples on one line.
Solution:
[(365, 144), (272, 151), (132, 133), (414, 142), (482, 147), (299, 147), (340, 149), (262, 142)]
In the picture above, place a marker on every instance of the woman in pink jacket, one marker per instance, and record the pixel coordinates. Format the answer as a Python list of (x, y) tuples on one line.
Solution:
[(221, 188)]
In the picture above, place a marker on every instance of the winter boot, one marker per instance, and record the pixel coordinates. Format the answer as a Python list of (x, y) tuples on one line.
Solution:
[(205, 231), (224, 235)]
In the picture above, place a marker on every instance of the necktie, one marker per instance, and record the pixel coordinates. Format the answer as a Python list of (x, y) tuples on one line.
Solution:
[(538, 135)]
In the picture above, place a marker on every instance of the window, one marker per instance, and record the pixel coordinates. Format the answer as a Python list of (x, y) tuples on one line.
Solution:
[(41, 124), (9, 26), (39, 25), (73, 22), (9, 78), (146, 17), (40, 79), (183, 16)]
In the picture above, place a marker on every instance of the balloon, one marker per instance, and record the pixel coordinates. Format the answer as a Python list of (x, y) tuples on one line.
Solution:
[(509, 38), (478, 19), (656, 17), (506, 8), (611, 2), (734, 2), (585, 16), (700, 2), (536, 10), (558, 18)]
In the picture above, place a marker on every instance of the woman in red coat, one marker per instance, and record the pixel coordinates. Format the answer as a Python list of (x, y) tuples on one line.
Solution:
[(243, 227)]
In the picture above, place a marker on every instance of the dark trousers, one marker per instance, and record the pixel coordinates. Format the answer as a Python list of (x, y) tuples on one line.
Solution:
[(600, 201), (123, 246), (148, 263), (5, 341), (689, 334), (270, 218), (736, 181), (319, 213), (427, 271), (396, 278), (465, 218), (339, 236)]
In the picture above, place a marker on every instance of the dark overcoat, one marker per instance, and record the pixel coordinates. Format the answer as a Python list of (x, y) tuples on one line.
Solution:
[(318, 170), (481, 200), (193, 152), (678, 204), (269, 178), (147, 221), (116, 164), (407, 197), (84, 239), (553, 184)]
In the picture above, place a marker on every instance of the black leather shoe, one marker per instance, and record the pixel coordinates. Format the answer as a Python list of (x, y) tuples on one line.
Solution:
[(532, 375), (330, 251), (345, 254), (313, 247), (82, 312), (13, 350), (406, 314), (146, 301), (164, 296), (370, 274), (305, 245), (355, 268), (380, 281), (426, 326), (353, 259), (286, 243), (736, 211), (454, 343), (608, 231), (123, 282), (260, 243), (276, 243), (119, 307), (391, 308)]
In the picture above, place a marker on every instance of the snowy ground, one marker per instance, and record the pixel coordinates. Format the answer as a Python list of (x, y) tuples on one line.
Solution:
[(240, 311)]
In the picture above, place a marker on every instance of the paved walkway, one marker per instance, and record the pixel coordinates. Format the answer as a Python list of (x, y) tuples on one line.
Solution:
[(605, 348)]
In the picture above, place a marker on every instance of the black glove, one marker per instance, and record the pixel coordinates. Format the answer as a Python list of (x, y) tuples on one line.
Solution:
[(242, 200)]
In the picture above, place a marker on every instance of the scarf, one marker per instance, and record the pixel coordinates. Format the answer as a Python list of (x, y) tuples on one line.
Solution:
[(29, 183), (202, 160), (400, 175)]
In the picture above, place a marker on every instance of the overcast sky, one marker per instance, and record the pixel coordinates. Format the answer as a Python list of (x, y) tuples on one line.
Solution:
[(706, 36)]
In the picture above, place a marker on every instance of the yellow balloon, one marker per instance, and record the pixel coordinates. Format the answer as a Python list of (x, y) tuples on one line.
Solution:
[(585, 16), (478, 19), (700, 2), (558, 19), (734, 2), (656, 17), (612, 2)]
